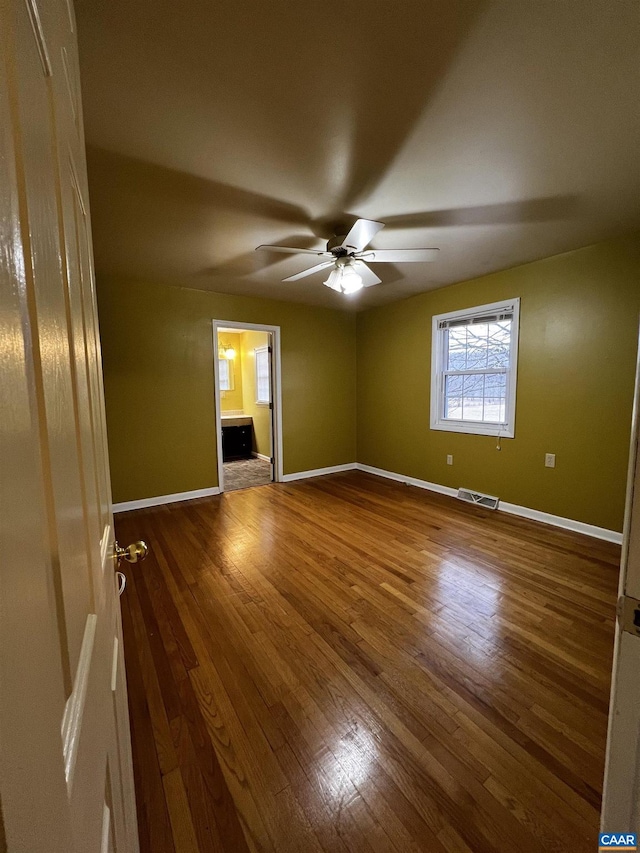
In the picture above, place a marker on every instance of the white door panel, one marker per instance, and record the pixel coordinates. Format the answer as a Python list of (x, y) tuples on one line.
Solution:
[(66, 781), (30, 662)]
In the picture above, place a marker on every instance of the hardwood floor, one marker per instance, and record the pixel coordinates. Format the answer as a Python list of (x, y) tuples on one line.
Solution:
[(349, 664)]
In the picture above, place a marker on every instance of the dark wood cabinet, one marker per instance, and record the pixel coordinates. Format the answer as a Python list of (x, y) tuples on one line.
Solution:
[(236, 442)]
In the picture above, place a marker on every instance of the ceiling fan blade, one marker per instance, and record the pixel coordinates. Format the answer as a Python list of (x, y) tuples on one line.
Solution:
[(369, 278), (361, 234), (399, 256), (310, 271), (288, 250)]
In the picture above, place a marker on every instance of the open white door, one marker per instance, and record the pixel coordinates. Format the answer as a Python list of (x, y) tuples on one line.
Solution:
[(66, 781), (621, 797)]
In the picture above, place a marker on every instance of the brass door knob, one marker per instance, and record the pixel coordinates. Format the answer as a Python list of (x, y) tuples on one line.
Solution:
[(133, 553)]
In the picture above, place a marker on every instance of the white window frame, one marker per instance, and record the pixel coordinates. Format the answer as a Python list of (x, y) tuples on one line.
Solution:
[(438, 355), (256, 351)]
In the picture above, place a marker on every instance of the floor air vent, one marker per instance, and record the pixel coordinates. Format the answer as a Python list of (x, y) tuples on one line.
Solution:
[(487, 501)]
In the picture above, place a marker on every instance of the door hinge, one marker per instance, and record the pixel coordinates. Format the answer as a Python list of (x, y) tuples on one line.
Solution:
[(629, 614), (270, 349), (271, 405), (272, 460)]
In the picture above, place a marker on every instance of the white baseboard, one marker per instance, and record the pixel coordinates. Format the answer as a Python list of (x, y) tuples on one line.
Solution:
[(215, 490), (318, 472), (512, 509), (166, 499), (409, 481), (261, 456), (559, 521)]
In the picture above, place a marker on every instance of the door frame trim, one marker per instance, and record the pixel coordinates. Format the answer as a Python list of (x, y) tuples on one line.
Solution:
[(276, 384)]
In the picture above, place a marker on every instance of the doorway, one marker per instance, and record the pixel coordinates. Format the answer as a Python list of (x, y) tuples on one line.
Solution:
[(246, 362)]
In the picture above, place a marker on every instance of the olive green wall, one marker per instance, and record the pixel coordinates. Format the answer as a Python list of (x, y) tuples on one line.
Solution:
[(578, 338), (259, 412), (157, 344)]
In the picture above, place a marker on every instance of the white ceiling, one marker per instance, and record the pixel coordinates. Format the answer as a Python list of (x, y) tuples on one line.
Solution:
[(501, 131)]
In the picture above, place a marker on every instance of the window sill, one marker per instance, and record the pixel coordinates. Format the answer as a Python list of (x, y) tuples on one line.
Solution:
[(474, 429)]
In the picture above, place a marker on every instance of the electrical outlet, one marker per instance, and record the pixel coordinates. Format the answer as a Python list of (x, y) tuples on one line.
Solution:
[(449, 459), (549, 460)]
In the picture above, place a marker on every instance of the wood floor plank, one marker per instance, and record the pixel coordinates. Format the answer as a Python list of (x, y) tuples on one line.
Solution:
[(153, 818), (347, 664), (167, 758), (184, 835)]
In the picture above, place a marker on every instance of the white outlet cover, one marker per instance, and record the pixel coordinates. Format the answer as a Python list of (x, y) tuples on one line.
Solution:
[(449, 459), (550, 460)]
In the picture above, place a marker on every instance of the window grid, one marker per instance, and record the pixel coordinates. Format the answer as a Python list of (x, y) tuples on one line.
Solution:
[(477, 356)]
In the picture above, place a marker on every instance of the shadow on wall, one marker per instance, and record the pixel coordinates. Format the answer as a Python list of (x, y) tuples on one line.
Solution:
[(375, 74)]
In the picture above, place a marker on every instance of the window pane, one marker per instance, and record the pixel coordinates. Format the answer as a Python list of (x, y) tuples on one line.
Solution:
[(224, 374), (457, 348), (498, 343), (476, 397), (453, 397), (476, 347), (495, 397), (263, 386), (472, 397)]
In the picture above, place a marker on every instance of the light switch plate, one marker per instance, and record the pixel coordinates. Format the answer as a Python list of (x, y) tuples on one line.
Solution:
[(550, 460)]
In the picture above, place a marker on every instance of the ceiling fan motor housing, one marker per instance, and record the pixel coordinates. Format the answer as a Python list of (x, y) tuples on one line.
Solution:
[(335, 246)]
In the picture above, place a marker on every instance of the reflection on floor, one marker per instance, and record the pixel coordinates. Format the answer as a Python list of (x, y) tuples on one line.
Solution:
[(349, 664), (244, 473)]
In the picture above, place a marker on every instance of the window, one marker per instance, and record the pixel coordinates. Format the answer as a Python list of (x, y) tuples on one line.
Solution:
[(263, 382), (473, 369), (225, 374)]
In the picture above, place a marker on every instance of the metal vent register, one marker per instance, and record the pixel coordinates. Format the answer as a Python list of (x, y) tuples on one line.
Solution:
[(470, 497)]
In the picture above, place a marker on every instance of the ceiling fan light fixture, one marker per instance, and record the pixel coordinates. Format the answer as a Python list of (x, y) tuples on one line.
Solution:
[(351, 281), (344, 279), (335, 279)]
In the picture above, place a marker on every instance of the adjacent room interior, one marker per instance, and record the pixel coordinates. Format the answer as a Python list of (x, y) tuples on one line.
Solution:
[(367, 279), (246, 427)]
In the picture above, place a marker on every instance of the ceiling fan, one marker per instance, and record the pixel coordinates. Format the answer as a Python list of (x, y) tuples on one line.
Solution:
[(349, 258)]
